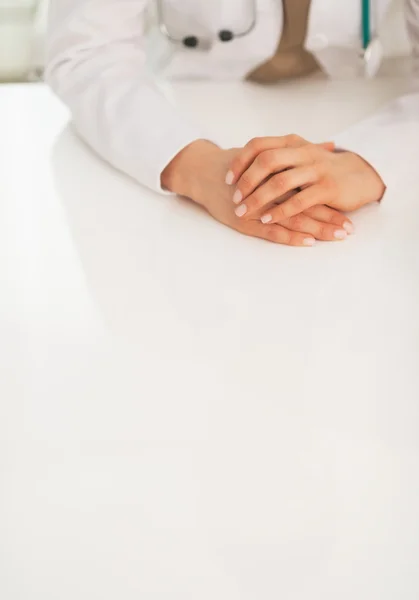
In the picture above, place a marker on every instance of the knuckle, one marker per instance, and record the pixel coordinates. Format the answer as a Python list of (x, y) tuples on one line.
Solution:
[(286, 223), (295, 240), (337, 219), (271, 233), (323, 232), (280, 236), (279, 214), (312, 152), (254, 144), (246, 228), (317, 168), (256, 201), (315, 212), (287, 238), (298, 203), (329, 185), (293, 138), (297, 222), (265, 160), (280, 183), (245, 184), (236, 165)]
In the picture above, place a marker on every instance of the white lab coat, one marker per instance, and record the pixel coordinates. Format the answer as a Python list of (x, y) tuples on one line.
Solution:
[(101, 54)]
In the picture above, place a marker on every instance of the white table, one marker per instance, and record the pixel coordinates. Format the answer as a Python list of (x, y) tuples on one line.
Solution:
[(190, 414)]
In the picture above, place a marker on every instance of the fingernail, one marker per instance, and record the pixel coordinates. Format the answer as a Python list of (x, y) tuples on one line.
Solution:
[(340, 234), (266, 218), (238, 197), (241, 210), (348, 227), (229, 177), (309, 242)]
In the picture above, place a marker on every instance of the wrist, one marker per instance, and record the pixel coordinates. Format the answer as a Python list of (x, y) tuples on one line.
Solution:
[(184, 174), (377, 185)]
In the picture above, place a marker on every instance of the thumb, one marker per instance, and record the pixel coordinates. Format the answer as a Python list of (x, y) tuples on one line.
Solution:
[(328, 146)]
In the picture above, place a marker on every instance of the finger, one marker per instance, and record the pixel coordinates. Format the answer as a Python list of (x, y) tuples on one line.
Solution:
[(330, 215), (254, 147), (297, 204), (318, 229), (276, 233), (267, 164), (274, 188), (257, 145)]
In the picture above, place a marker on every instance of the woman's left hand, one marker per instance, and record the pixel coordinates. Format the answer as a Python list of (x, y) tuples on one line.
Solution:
[(342, 180)]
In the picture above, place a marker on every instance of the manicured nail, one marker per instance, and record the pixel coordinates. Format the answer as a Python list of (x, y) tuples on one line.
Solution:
[(309, 242), (229, 177), (266, 218), (340, 234), (348, 227), (241, 210), (238, 197)]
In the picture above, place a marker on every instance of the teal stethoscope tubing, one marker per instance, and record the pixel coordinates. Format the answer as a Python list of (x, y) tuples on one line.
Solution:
[(366, 23)]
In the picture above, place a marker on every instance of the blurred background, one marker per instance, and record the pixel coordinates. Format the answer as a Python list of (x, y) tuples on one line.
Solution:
[(22, 39), (23, 26)]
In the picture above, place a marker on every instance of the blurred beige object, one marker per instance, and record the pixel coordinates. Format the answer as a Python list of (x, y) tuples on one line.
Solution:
[(39, 37), (17, 19)]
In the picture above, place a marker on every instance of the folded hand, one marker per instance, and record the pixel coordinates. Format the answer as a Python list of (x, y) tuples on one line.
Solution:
[(268, 168), (198, 172)]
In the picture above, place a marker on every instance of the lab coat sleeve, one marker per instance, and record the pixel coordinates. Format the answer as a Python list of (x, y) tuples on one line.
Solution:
[(96, 65), (389, 139)]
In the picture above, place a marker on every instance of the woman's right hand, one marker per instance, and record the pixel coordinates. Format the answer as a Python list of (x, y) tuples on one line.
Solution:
[(198, 172)]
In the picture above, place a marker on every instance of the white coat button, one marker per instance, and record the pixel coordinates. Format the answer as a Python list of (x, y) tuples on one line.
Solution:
[(319, 42)]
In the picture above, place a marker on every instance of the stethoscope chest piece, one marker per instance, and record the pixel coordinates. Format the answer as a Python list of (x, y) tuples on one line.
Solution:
[(373, 58)]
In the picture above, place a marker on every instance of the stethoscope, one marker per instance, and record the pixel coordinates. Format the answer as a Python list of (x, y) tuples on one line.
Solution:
[(372, 51), (194, 42)]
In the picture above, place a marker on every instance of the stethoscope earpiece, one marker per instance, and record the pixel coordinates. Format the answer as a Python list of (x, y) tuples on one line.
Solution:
[(191, 41), (226, 35)]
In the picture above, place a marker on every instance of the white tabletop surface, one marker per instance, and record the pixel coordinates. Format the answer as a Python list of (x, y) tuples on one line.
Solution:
[(189, 414)]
